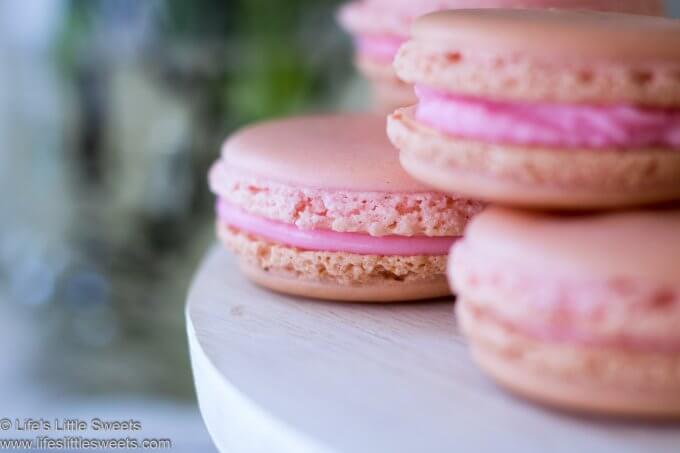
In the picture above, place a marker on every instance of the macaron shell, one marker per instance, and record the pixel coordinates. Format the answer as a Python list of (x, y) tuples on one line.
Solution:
[(376, 213), (336, 275), (394, 16), (349, 152), (522, 77), (621, 383), (533, 176), (639, 6), (376, 293), (642, 244), (559, 34)]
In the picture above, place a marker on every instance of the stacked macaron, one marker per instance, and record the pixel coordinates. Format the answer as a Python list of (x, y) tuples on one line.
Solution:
[(581, 312), (543, 108), (568, 111), (319, 207), (380, 27)]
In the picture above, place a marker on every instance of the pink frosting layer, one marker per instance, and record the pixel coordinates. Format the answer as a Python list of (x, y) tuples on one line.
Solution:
[(553, 125), (379, 48), (331, 241), (623, 312)]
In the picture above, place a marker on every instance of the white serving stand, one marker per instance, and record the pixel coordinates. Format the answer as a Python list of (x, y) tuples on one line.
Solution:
[(277, 374)]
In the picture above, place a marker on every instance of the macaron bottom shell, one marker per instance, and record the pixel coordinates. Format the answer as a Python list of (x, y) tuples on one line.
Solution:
[(619, 382), (374, 293), (336, 275), (534, 176)]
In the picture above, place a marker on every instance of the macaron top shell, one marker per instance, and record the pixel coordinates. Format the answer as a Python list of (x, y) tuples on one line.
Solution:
[(546, 56), (393, 17), (642, 245), (553, 33), (349, 152)]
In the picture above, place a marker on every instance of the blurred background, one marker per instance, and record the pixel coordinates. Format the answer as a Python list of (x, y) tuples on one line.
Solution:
[(110, 113)]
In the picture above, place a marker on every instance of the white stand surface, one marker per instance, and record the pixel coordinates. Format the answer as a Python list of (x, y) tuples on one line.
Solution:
[(282, 374)]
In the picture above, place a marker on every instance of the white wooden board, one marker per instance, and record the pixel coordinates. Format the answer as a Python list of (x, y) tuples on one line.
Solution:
[(281, 374)]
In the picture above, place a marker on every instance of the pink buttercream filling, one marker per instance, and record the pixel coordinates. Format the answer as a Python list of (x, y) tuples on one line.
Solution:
[(545, 124), (332, 241), (379, 48)]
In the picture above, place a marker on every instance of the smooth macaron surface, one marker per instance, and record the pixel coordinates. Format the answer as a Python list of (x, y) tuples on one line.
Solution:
[(387, 17), (347, 152), (643, 245), (553, 34)]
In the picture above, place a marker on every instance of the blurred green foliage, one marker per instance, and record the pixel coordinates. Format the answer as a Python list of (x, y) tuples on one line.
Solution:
[(257, 58)]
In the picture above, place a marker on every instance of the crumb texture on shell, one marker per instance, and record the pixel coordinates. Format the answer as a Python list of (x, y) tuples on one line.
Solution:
[(336, 267), (629, 171), (375, 213), (518, 77)]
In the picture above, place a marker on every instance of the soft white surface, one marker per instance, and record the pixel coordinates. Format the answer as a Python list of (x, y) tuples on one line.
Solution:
[(364, 378)]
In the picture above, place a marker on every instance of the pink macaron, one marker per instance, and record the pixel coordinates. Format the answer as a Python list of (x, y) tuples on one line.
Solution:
[(319, 207), (380, 27), (576, 311), (543, 108)]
